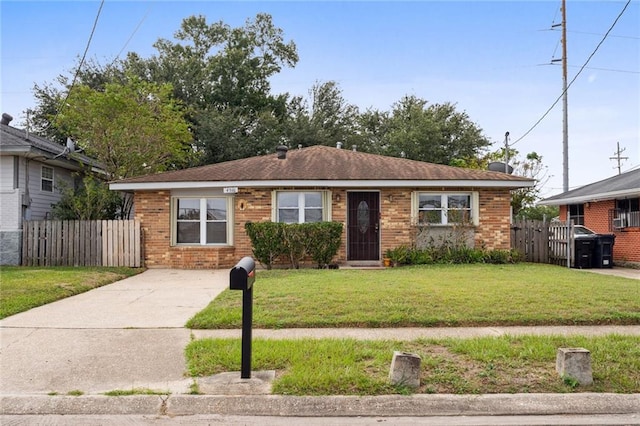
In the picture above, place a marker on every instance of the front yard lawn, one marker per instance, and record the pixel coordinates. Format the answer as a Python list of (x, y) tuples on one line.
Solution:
[(23, 288), (507, 364), (430, 296)]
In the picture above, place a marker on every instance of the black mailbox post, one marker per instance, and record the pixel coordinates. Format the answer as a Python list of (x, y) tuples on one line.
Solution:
[(242, 277)]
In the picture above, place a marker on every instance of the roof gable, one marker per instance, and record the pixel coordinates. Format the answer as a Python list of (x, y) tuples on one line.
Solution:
[(323, 163)]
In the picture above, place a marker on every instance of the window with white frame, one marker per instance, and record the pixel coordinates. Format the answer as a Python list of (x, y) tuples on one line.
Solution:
[(46, 179), (445, 208), (301, 207), (202, 221)]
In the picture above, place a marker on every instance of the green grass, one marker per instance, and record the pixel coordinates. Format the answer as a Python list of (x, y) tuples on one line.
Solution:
[(23, 288), (505, 364), (429, 296)]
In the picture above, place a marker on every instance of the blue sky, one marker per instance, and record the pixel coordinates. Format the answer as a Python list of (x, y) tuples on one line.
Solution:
[(492, 59)]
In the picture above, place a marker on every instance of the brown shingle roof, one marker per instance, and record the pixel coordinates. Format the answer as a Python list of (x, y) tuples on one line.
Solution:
[(324, 163)]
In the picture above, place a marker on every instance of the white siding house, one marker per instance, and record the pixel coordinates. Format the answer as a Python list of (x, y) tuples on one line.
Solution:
[(31, 171)]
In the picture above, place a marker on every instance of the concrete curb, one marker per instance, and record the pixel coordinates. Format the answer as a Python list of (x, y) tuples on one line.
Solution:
[(335, 406)]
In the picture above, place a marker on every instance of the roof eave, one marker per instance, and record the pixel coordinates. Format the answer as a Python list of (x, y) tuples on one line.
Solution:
[(148, 186), (591, 197), (69, 161)]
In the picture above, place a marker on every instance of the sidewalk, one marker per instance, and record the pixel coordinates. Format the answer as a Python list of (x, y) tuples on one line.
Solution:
[(130, 334)]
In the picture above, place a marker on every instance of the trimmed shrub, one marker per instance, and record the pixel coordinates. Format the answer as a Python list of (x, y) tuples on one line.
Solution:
[(295, 241), (324, 240), (267, 241), (406, 255)]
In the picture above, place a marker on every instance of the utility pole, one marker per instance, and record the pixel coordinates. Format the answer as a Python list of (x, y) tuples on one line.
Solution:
[(618, 157), (506, 152), (565, 125)]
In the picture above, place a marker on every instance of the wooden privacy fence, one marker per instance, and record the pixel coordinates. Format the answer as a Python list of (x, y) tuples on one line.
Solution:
[(531, 239), (81, 243), (542, 242)]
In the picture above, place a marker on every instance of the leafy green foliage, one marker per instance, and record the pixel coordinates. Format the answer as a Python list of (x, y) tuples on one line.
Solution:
[(433, 133), (538, 212), (221, 74), (531, 166), (91, 200), (324, 239), (266, 239), (132, 129), (328, 118), (407, 255), (294, 241)]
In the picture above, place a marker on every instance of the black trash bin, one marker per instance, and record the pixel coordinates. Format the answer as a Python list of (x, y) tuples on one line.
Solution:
[(584, 251), (603, 252)]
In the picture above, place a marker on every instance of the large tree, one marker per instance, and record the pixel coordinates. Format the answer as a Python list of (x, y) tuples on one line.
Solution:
[(222, 74), (51, 97), (131, 129), (325, 119), (434, 133)]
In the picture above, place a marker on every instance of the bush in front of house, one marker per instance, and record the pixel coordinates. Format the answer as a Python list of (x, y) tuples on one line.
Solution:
[(267, 241), (294, 241), (407, 255), (324, 240)]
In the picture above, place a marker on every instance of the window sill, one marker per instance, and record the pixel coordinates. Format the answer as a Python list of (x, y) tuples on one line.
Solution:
[(200, 246)]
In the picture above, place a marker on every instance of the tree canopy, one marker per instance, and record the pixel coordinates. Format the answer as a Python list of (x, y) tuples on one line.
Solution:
[(214, 80), (131, 129)]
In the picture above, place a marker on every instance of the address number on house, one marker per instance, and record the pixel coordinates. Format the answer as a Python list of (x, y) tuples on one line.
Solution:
[(230, 190)]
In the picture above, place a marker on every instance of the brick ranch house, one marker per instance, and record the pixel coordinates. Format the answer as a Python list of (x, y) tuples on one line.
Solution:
[(608, 206), (194, 218)]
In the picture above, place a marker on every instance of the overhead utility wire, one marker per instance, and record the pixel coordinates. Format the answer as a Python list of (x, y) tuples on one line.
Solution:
[(84, 56), (588, 33), (607, 69), (131, 36), (576, 76)]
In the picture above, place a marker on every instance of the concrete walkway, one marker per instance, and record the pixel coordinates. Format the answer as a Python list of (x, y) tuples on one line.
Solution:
[(131, 334)]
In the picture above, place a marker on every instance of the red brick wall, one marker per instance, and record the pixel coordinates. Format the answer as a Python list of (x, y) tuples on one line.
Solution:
[(494, 230), (153, 210), (626, 247), (395, 218)]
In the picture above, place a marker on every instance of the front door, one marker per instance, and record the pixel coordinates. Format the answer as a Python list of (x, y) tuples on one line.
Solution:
[(363, 226)]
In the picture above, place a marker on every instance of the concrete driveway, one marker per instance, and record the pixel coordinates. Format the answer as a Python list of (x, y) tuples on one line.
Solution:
[(125, 335)]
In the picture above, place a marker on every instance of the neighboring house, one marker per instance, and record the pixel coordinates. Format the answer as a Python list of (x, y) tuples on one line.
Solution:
[(194, 218), (608, 206), (31, 170)]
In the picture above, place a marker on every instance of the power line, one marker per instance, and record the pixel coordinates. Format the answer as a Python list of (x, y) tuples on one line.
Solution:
[(577, 74), (84, 56), (598, 34), (131, 36), (601, 69)]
